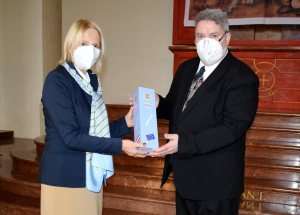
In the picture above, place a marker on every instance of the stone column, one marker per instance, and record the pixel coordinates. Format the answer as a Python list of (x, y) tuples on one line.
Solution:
[(52, 40)]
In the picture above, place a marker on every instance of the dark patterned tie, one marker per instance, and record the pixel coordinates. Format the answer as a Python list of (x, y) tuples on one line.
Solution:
[(198, 80)]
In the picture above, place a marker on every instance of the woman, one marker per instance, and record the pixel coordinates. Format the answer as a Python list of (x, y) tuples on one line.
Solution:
[(77, 157)]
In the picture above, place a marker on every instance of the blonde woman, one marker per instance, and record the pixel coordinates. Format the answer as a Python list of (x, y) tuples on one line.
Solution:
[(80, 143)]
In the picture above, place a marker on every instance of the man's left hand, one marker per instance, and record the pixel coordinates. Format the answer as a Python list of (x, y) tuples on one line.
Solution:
[(169, 148)]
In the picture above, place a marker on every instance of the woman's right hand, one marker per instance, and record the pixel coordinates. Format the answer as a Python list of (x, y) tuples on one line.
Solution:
[(130, 148)]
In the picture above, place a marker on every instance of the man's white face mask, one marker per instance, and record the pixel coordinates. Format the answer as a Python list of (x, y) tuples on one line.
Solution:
[(210, 50)]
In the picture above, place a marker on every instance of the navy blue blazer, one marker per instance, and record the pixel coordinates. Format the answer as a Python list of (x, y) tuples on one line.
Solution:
[(67, 110), (210, 162)]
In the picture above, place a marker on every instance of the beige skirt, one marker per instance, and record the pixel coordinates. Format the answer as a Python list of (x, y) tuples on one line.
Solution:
[(70, 201)]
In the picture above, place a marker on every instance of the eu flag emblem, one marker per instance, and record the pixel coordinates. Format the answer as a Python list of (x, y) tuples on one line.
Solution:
[(150, 136)]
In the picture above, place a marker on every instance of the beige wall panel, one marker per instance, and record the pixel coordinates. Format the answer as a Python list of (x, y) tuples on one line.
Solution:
[(290, 32), (137, 34), (22, 66), (242, 32), (268, 32)]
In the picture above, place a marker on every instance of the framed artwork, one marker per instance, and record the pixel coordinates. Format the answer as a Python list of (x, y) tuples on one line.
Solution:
[(245, 12), (186, 10)]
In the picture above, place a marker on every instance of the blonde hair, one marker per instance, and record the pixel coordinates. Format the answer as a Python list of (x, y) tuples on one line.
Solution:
[(74, 39)]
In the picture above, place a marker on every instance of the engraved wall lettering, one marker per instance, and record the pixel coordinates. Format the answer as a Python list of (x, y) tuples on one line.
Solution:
[(251, 195)]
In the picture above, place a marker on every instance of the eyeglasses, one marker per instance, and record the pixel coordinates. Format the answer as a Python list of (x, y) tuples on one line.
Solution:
[(200, 37)]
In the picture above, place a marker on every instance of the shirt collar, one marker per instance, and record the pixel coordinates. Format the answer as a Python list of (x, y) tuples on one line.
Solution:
[(210, 69), (85, 76)]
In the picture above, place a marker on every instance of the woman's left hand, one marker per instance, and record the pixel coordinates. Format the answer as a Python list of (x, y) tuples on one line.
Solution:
[(129, 117)]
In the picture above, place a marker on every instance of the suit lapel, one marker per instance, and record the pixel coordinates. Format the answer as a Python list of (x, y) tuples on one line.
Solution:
[(208, 83), (186, 84), (94, 82)]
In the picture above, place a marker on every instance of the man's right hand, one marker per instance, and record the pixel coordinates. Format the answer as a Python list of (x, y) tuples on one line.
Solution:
[(156, 100)]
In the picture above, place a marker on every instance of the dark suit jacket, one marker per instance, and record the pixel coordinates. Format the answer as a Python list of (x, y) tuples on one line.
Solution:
[(209, 164), (67, 110)]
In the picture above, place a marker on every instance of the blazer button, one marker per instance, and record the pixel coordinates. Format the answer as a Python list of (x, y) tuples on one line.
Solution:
[(176, 128)]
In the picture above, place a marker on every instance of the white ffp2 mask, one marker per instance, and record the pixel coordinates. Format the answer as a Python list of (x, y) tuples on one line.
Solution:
[(209, 50), (86, 56)]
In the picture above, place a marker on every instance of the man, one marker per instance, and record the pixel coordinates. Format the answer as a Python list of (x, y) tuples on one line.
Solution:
[(209, 114)]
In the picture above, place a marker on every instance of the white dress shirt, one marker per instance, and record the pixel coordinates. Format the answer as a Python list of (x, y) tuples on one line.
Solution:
[(85, 76), (209, 69)]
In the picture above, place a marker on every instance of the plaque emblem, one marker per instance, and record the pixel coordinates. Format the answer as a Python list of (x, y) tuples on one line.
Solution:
[(147, 96)]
